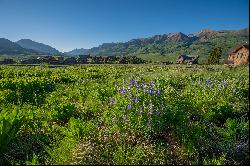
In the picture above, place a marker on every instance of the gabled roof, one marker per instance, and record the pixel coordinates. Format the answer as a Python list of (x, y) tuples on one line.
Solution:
[(239, 46)]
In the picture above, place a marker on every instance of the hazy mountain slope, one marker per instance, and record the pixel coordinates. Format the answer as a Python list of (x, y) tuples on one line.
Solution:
[(10, 48), (76, 52), (40, 47)]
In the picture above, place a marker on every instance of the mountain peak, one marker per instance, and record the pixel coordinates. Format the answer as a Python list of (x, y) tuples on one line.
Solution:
[(10, 48), (178, 36)]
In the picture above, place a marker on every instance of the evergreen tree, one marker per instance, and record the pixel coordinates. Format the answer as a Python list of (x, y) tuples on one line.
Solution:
[(215, 55)]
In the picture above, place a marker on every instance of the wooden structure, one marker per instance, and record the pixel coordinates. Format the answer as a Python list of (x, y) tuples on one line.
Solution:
[(239, 55), (187, 59)]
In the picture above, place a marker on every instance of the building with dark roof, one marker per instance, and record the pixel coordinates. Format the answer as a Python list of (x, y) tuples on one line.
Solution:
[(239, 54)]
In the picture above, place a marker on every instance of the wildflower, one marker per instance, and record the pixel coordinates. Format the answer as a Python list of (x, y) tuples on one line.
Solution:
[(129, 107), (157, 92), (224, 82), (149, 122), (150, 112), (113, 119), (137, 99), (140, 112), (131, 82), (123, 91), (208, 81), (153, 83), (150, 109), (150, 90), (199, 81), (136, 82), (158, 113), (130, 97), (125, 118), (112, 101)]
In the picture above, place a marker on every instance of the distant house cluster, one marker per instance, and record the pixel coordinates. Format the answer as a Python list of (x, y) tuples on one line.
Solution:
[(237, 56), (82, 59), (7, 61)]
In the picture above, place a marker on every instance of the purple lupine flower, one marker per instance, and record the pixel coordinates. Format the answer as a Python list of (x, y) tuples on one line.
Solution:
[(123, 91), (137, 99), (157, 92), (129, 107), (131, 82), (149, 123), (208, 81), (150, 90), (113, 119), (158, 113)]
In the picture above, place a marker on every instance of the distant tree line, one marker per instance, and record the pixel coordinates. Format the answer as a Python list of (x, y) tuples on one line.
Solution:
[(82, 59)]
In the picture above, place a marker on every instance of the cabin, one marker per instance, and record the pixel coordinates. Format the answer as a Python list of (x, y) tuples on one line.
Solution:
[(239, 55), (187, 59)]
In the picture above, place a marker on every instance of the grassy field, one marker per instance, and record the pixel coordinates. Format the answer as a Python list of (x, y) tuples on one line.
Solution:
[(124, 114)]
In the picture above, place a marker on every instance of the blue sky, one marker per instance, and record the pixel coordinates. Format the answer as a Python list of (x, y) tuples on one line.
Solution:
[(69, 24)]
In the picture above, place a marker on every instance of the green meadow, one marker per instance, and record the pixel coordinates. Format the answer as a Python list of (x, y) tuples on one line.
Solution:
[(124, 114)]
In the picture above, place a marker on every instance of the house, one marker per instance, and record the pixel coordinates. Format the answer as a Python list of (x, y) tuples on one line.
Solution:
[(239, 55), (187, 59)]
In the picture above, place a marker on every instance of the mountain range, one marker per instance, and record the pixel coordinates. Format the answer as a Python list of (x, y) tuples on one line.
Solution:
[(155, 48), (9, 47), (168, 46), (38, 47)]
